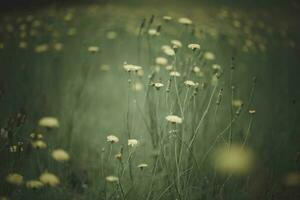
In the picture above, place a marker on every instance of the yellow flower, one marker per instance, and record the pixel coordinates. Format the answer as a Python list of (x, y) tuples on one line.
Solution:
[(49, 179), (49, 122), (234, 160), (60, 155), (14, 178), (34, 184), (39, 144)]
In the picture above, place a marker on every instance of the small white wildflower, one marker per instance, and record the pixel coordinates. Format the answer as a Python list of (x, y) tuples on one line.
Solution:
[(112, 179), (49, 179), (112, 139), (161, 61), (142, 166), (196, 69), (185, 21), (216, 67), (176, 43), (93, 49), (168, 50), (158, 85), (130, 67), (190, 83), (194, 46), (132, 142), (169, 67), (174, 73), (167, 18), (209, 56), (174, 119), (153, 32)]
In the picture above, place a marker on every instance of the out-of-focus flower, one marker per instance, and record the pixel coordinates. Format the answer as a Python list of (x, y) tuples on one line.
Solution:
[(49, 122), (174, 74), (34, 184), (153, 32), (41, 48), (48, 178), (111, 35), (176, 43), (237, 103), (161, 61), (158, 85), (14, 178), (167, 18), (185, 21), (236, 160), (39, 144), (60, 155), (292, 179), (112, 139), (112, 179), (132, 142), (174, 119), (209, 56), (93, 49)]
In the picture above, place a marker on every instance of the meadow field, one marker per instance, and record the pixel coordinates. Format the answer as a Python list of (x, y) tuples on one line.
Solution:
[(132, 102)]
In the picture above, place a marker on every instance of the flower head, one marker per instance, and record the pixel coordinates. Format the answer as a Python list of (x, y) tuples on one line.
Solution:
[(15, 179), (190, 83), (142, 166), (209, 56), (130, 67), (112, 139), (49, 179), (158, 85), (176, 43), (34, 184), (49, 122), (60, 155), (132, 142), (93, 49), (185, 21), (39, 144), (112, 179), (194, 46), (174, 119), (174, 74), (161, 61)]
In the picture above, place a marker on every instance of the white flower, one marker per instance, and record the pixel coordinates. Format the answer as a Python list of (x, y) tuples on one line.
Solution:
[(161, 61), (216, 67), (190, 83), (142, 166), (196, 69), (49, 122), (176, 43), (174, 73), (132, 142), (112, 179), (93, 49), (237, 103), (130, 67), (153, 32), (112, 139), (209, 56), (174, 119), (168, 50), (60, 155), (158, 85), (167, 18), (194, 46), (169, 67), (185, 21)]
